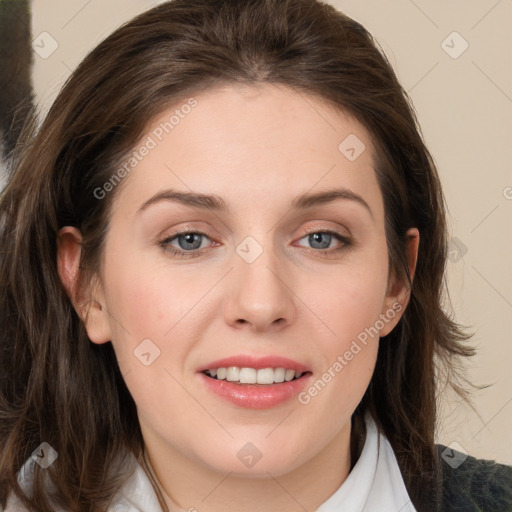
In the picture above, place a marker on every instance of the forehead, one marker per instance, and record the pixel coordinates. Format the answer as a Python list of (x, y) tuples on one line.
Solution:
[(249, 142)]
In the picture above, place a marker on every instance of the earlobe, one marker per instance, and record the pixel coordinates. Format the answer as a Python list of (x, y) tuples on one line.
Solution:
[(87, 303), (398, 293)]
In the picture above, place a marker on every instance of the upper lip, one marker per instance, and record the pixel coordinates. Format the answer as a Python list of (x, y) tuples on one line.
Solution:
[(247, 361)]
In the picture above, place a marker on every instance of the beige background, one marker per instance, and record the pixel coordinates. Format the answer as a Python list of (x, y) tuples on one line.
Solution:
[(464, 106)]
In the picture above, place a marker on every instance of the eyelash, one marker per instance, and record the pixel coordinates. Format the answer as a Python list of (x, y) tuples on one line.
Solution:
[(164, 244)]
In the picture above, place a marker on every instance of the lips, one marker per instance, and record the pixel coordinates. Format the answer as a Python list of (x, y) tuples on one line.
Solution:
[(255, 395)]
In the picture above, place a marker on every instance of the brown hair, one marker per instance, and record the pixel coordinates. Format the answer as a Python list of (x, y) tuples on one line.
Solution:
[(57, 386)]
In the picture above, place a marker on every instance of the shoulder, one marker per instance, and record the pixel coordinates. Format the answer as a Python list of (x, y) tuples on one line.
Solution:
[(473, 485)]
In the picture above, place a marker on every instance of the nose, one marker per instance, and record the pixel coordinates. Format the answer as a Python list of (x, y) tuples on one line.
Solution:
[(260, 293)]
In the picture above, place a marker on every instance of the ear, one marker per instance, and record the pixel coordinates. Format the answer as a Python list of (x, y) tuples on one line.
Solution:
[(398, 292), (89, 304)]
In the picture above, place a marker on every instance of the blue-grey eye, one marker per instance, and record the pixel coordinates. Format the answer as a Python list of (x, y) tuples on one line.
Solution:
[(192, 241), (321, 238)]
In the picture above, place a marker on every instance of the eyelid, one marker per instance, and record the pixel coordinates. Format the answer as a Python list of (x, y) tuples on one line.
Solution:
[(322, 226), (185, 229)]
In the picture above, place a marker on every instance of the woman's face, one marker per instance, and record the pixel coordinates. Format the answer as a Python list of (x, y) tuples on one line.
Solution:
[(289, 261)]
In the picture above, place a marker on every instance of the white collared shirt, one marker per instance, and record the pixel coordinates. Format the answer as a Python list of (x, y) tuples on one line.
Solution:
[(375, 483)]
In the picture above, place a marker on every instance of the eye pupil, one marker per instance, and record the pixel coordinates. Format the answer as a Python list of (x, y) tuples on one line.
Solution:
[(316, 237), (190, 238)]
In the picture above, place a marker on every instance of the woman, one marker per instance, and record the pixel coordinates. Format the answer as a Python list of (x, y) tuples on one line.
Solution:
[(285, 359)]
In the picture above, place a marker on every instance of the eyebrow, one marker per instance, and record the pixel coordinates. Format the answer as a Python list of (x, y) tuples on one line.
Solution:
[(217, 203), (307, 200)]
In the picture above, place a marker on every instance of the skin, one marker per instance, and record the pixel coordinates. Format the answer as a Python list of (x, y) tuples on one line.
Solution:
[(257, 148)]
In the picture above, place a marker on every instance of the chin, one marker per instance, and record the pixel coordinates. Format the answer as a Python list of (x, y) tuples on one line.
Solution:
[(251, 462)]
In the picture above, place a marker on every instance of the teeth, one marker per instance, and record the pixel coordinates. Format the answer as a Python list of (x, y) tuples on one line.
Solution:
[(289, 375), (253, 376), (249, 376), (265, 376), (233, 374), (279, 374)]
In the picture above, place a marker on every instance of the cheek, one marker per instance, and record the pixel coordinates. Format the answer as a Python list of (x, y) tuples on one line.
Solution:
[(148, 337), (347, 301), (157, 303), (347, 351), (137, 302), (141, 294)]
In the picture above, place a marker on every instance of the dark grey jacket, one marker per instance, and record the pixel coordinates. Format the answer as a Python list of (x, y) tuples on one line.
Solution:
[(476, 485)]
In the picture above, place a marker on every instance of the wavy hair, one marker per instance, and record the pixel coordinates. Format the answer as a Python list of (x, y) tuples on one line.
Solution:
[(58, 387)]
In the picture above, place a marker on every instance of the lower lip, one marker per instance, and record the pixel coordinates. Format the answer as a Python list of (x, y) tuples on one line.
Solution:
[(256, 396)]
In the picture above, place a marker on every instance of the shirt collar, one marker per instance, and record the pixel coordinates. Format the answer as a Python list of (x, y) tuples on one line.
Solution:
[(375, 482)]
